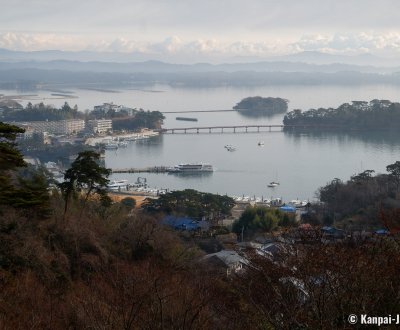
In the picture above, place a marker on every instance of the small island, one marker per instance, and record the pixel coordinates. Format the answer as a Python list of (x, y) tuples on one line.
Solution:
[(257, 105)]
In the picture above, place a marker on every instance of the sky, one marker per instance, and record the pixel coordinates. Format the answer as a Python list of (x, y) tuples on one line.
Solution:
[(191, 29)]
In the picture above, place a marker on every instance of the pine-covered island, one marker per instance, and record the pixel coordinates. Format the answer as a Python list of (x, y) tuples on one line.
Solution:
[(361, 115), (257, 105)]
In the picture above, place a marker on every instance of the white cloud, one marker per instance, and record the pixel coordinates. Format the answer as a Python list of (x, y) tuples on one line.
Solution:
[(339, 43), (383, 44)]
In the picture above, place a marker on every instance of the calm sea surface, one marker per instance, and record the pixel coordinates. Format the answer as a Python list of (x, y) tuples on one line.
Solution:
[(300, 162)]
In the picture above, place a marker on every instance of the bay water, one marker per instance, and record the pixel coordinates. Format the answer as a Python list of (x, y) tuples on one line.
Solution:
[(301, 162)]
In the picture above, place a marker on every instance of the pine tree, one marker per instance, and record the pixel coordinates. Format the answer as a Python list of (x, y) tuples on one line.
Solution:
[(85, 174), (10, 160)]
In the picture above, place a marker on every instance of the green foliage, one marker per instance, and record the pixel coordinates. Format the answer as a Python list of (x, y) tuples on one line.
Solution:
[(377, 114), (26, 190), (32, 193), (10, 160), (10, 157), (394, 170), (264, 105), (192, 203), (257, 218), (360, 199), (141, 119), (42, 112), (85, 174)]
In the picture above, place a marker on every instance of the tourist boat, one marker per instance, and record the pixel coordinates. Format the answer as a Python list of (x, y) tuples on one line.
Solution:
[(117, 184), (191, 168)]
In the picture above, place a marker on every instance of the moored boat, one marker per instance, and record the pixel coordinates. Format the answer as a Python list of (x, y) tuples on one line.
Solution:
[(111, 146), (191, 168), (117, 184)]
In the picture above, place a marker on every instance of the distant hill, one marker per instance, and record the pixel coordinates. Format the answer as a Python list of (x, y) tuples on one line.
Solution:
[(35, 70), (308, 57)]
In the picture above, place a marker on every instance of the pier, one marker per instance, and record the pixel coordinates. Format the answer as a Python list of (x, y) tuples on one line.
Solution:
[(151, 169)]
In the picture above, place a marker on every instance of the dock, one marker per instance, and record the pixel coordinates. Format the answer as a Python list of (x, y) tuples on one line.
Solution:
[(151, 169)]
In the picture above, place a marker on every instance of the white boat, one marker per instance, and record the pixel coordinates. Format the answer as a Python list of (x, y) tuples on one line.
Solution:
[(273, 184), (261, 143), (117, 184), (122, 144), (191, 168), (298, 203), (111, 146)]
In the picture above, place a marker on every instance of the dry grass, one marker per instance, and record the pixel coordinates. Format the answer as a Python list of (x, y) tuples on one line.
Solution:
[(118, 197)]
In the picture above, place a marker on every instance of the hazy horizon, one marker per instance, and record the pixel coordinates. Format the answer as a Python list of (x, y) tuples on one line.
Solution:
[(193, 31)]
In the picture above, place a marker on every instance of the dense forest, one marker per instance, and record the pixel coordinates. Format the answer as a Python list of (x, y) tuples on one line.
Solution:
[(365, 202), (376, 114), (71, 258), (141, 119), (42, 112), (121, 120), (262, 105)]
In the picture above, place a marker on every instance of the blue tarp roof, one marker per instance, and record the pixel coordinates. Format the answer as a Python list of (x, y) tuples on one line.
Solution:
[(287, 209), (382, 232), (181, 223)]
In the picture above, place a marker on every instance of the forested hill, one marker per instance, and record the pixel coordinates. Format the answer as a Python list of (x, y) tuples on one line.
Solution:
[(376, 114)]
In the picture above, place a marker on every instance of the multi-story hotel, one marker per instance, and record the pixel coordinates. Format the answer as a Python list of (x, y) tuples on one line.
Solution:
[(100, 126), (62, 127)]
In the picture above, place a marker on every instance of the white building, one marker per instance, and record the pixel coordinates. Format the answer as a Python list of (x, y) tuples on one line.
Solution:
[(100, 126), (69, 126), (105, 107)]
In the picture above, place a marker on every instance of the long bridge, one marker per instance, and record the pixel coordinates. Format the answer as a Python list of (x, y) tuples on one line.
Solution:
[(235, 129)]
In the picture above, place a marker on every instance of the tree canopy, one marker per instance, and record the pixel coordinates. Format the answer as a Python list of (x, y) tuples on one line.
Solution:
[(262, 105), (262, 219), (376, 114), (141, 119), (360, 201), (42, 112), (192, 203), (85, 174), (25, 190)]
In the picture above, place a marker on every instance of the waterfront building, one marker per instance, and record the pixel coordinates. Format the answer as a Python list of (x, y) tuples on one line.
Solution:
[(100, 126), (69, 126)]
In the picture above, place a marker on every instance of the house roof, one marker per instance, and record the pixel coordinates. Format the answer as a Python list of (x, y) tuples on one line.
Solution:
[(228, 257)]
